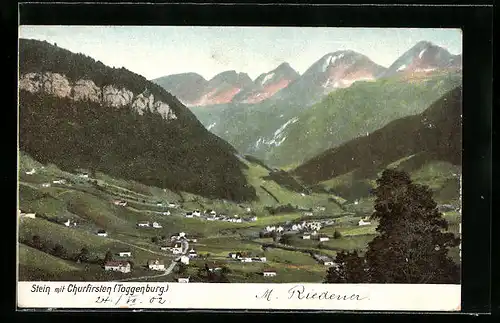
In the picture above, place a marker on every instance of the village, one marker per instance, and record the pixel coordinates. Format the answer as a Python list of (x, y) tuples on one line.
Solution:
[(315, 227), (178, 245)]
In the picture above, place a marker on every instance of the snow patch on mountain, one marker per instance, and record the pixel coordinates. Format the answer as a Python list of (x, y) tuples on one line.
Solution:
[(330, 60), (211, 126), (267, 78), (425, 69), (402, 67), (258, 142), (278, 136), (280, 129), (422, 53)]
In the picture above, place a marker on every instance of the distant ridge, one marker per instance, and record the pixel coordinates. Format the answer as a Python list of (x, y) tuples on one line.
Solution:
[(339, 69)]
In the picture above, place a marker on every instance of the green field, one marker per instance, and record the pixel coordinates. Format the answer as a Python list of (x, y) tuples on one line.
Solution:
[(34, 258), (91, 206), (73, 240)]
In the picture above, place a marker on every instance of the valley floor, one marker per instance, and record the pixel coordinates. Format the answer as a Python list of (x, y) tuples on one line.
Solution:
[(61, 241)]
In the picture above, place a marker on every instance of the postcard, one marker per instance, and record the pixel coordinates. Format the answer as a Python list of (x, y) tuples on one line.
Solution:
[(182, 167)]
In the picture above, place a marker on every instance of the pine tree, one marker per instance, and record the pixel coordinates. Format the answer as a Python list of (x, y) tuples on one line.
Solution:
[(83, 255), (108, 256), (349, 268), (36, 242), (411, 246), (59, 251)]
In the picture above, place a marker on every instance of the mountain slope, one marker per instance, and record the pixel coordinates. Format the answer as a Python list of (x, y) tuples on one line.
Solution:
[(267, 84), (334, 70), (423, 58), (193, 90), (185, 86), (283, 134), (223, 87), (78, 113), (436, 132)]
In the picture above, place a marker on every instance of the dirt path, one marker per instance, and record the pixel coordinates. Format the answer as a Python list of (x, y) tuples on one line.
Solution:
[(136, 246), (64, 192), (29, 185)]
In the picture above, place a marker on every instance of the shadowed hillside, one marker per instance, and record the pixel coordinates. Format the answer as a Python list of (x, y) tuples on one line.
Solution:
[(78, 113), (435, 132)]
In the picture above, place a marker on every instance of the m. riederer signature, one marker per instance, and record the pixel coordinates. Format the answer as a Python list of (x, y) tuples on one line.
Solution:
[(300, 292)]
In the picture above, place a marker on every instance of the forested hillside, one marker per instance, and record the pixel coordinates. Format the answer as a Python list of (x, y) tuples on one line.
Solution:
[(128, 137)]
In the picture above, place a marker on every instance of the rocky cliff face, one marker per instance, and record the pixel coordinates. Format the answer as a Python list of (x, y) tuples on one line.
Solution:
[(76, 112), (59, 85)]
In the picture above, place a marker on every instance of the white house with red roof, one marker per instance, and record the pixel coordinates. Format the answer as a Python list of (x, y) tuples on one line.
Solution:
[(114, 265)]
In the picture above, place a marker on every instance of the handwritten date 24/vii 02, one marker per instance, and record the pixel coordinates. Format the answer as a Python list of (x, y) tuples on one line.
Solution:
[(130, 300)]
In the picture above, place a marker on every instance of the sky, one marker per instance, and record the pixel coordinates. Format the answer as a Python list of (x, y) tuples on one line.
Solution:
[(155, 51)]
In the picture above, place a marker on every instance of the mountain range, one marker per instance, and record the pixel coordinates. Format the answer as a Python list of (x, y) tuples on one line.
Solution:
[(78, 113), (335, 70), (431, 139)]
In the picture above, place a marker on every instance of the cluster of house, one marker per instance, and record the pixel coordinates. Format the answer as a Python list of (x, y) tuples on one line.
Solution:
[(117, 265), (181, 236), (211, 215), (102, 233), (315, 236), (269, 272), (125, 267), (192, 214), (213, 267), (245, 257), (177, 249), (309, 230), (313, 227), (325, 260), (69, 223), (179, 245), (56, 181), (83, 175), (170, 205), (120, 202), (364, 222), (156, 264), (22, 214), (31, 172), (146, 224)]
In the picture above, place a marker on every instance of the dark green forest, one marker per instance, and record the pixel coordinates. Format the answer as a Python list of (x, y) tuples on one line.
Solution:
[(435, 132), (180, 154)]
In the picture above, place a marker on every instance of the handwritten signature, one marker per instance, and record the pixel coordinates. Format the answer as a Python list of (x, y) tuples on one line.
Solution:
[(129, 300), (301, 293)]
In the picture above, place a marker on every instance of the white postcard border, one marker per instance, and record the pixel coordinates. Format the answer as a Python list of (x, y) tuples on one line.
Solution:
[(296, 296)]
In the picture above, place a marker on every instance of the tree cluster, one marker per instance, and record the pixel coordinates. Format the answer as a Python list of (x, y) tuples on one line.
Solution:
[(412, 243), (59, 251)]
